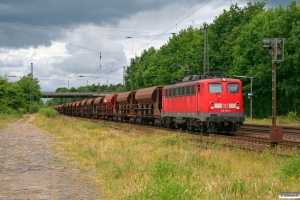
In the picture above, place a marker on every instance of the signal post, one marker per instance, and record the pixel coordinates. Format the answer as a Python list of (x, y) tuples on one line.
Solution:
[(275, 47)]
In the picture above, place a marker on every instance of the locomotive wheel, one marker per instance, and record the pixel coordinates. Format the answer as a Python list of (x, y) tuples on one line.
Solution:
[(189, 126), (203, 129), (176, 125)]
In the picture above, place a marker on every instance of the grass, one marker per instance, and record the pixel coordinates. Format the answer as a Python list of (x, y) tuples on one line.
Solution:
[(280, 121), (6, 119), (136, 164)]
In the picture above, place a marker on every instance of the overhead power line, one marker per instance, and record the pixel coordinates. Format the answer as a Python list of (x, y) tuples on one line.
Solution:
[(162, 33)]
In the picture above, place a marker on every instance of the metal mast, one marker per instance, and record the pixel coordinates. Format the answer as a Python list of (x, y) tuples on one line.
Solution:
[(31, 92), (206, 54)]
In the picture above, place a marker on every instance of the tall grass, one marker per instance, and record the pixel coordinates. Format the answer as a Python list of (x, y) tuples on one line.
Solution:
[(141, 164), (8, 118), (48, 112)]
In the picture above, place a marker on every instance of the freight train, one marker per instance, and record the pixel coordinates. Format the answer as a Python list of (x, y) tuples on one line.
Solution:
[(210, 102)]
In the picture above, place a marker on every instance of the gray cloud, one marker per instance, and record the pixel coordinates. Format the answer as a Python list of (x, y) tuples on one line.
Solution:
[(32, 27), (70, 12), (276, 3), (64, 14)]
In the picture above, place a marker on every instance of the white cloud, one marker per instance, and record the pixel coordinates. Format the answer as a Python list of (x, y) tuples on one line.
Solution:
[(57, 64)]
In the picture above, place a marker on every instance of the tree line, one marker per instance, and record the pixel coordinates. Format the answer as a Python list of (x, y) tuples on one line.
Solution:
[(25, 95), (234, 47), (87, 88)]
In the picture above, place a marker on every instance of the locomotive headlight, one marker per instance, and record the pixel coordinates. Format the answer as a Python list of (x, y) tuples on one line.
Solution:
[(237, 105), (212, 105)]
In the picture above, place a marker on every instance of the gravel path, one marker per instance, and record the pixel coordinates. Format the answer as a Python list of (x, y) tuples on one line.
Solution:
[(29, 169)]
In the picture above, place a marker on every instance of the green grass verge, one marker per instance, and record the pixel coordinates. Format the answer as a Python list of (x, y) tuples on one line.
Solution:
[(143, 164), (6, 119)]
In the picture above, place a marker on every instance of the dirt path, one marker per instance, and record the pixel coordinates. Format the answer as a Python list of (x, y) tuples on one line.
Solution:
[(29, 169)]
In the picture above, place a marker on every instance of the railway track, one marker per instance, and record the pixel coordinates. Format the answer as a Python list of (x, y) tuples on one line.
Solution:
[(287, 130)]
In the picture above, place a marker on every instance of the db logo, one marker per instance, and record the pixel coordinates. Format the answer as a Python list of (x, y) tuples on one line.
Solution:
[(225, 105)]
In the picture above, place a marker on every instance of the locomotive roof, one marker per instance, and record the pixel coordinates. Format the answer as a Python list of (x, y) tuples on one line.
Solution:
[(208, 77)]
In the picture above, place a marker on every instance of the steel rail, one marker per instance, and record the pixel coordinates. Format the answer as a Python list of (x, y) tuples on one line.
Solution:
[(288, 130)]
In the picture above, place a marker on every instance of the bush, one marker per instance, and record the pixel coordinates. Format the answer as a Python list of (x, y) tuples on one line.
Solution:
[(293, 115), (48, 112)]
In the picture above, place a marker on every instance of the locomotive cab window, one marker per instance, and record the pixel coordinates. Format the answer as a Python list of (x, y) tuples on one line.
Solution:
[(187, 90), (179, 91), (193, 92), (233, 88), (215, 88), (183, 91)]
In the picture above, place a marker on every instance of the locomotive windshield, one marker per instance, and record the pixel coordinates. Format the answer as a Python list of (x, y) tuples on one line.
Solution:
[(215, 88), (232, 88)]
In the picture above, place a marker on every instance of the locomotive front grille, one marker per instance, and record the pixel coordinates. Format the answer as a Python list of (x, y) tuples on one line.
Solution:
[(216, 118)]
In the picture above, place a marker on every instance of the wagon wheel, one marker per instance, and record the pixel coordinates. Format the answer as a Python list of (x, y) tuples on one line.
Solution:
[(158, 124)]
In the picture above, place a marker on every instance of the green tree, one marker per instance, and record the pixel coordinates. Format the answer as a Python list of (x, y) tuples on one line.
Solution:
[(26, 85), (11, 97)]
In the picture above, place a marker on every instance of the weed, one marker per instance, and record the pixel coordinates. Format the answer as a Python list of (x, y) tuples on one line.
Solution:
[(111, 125), (163, 169), (290, 170), (90, 153), (48, 112), (293, 115), (218, 145), (91, 126), (238, 187), (166, 184), (117, 172), (171, 140), (201, 136), (99, 164)]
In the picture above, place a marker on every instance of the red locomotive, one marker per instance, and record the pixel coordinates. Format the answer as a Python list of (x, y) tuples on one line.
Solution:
[(208, 103)]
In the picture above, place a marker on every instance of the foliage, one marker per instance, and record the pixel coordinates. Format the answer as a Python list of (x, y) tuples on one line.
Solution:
[(48, 112), (234, 47), (88, 88), (293, 115), (15, 96)]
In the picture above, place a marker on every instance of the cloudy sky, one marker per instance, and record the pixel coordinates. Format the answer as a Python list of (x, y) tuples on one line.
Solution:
[(64, 39)]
